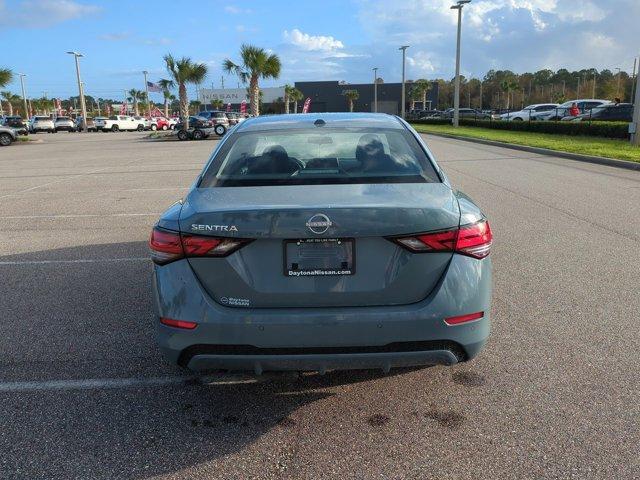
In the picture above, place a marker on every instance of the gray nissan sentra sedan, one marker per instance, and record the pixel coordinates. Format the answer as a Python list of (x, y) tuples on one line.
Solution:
[(321, 242)]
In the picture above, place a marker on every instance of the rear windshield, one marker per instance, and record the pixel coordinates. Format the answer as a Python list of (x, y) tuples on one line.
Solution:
[(62, 118), (311, 157)]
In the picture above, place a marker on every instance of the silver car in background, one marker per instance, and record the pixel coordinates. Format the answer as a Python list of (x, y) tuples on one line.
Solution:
[(41, 124)]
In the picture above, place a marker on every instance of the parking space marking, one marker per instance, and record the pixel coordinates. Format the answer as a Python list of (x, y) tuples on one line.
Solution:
[(109, 383), (78, 215), (78, 260)]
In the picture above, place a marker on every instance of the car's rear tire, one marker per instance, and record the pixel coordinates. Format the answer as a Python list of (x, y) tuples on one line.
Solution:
[(140, 128), (517, 119), (183, 135), (154, 127), (164, 127), (198, 134), (220, 130), (5, 139), (115, 128)]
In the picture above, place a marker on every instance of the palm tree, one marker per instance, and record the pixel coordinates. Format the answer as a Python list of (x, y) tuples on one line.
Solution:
[(423, 87), (184, 71), (295, 96), (9, 98), (288, 89), (257, 63), (6, 76), (136, 96), (508, 86), (217, 104), (166, 86), (352, 96), (195, 104)]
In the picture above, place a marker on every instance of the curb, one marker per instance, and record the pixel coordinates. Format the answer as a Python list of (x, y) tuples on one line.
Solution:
[(612, 162)]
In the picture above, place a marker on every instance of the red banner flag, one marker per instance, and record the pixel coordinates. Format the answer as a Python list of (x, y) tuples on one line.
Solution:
[(228, 107), (243, 106), (123, 108), (307, 104)]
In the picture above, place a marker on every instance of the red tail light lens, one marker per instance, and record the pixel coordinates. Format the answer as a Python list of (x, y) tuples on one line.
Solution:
[(168, 246), (165, 246), (463, 318), (473, 240), (178, 323)]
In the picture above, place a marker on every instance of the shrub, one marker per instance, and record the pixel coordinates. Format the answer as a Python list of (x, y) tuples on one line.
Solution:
[(593, 129)]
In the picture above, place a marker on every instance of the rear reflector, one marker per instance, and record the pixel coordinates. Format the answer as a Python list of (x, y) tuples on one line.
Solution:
[(473, 240), (463, 318), (178, 323), (167, 246)]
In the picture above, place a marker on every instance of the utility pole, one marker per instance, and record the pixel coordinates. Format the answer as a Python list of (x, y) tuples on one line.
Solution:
[(98, 103), (456, 96), (24, 96), (593, 91), (563, 85), (146, 89), (481, 95), (578, 90), (618, 87), (404, 52), (634, 80), (375, 89), (635, 136), (80, 91)]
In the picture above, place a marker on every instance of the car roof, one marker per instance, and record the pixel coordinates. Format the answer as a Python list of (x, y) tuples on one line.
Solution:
[(306, 120)]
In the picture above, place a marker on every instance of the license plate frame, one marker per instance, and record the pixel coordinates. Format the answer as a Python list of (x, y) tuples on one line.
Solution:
[(349, 244)]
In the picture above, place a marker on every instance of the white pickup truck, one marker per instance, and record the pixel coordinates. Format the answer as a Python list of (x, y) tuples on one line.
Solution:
[(119, 122)]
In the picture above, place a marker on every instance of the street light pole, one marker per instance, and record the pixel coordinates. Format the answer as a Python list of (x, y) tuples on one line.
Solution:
[(83, 106), (375, 89), (146, 88), (456, 99), (618, 87), (404, 52), (24, 96), (635, 136)]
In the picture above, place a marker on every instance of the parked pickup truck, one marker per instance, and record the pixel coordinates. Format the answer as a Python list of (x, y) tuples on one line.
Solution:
[(119, 122)]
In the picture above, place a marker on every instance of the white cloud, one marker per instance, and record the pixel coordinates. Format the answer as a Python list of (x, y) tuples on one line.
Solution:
[(421, 63), (43, 13), (115, 37), (311, 42), (232, 9)]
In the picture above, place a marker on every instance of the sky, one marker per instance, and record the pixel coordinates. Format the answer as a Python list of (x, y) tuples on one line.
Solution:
[(316, 40)]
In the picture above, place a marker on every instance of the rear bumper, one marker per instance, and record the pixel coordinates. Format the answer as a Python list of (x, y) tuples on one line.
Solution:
[(323, 338)]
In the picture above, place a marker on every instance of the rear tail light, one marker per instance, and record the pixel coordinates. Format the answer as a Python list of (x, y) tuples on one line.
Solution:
[(178, 323), (473, 240), (463, 318), (168, 246)]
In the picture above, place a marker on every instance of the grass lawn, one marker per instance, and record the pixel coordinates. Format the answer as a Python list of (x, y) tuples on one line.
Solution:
[(601, 147)]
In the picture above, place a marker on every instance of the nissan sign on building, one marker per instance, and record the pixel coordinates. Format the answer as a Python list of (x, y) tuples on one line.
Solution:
[(237, 95)]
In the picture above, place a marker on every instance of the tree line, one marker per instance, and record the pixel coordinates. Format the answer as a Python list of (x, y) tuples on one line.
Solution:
[(504, 89)]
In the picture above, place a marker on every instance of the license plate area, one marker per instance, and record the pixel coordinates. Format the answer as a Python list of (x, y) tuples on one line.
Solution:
[(310, 257)]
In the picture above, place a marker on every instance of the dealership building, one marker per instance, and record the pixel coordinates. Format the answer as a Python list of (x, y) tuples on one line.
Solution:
[(327, 96)]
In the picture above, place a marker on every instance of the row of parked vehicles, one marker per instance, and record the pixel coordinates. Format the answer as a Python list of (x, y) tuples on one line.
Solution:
[(574, 110)]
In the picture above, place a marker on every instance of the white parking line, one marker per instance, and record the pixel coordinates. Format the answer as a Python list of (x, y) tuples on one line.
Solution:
[(85, 260), (109, 383), (79, 215)]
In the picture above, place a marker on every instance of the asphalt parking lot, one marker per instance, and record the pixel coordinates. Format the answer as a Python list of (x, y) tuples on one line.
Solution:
[(85, 394)]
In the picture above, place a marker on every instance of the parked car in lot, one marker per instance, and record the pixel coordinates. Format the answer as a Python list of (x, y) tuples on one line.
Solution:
[(41, 124), (91, 124), (470, 113), (366, 260), (199, 128), (527, 112), (119, 122), (218, 119), (159, 123), (172, 122), (64, 124), (7, 136), (620, 112), (16, 122), (562, 110)]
